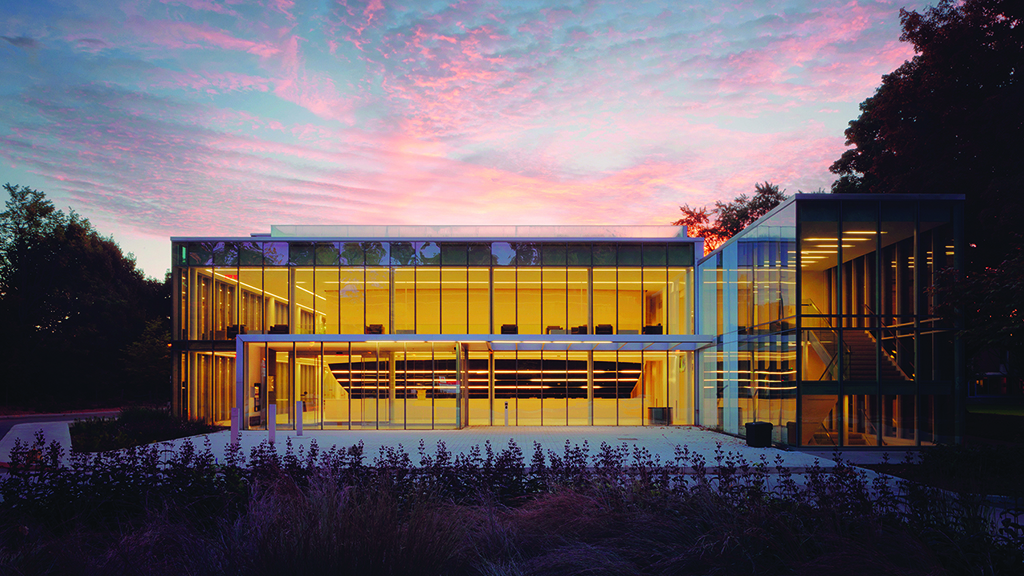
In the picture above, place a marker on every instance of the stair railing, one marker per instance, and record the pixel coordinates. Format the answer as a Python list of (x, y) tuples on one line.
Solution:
[(892, 344), (828, 353)]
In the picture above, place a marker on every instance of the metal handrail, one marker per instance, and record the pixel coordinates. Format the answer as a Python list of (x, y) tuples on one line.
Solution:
[(845, 349), (890, 334)]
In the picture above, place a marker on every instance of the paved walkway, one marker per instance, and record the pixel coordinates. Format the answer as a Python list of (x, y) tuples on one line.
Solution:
[(660, 441)]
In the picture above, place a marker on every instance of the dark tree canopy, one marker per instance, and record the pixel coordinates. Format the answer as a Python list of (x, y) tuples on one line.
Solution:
[(731, 218), (950, 120), (70, 303)]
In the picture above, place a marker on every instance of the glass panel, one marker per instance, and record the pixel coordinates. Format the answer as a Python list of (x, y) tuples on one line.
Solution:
[(453, 254), (859, 247), (277, 306), (605, 301), (505, 301), (275, 253), (200, 253), (428, 253), (819, 420), (376, 253), (820, 351), (578, 409), (504, 388), (419, 385), (629, 255), (898, 420), (631, 389), (503, 254), (579, 255), (655, 384), (280, 382), (604, 254), (479, 254), (255, 378), (352, 296), (819, 247), (528, 301), (860, 413), (479, 301), (337, 385), (479, 395), (528, 254), (445, 386), (428, 300), (327, 300), (390, 414), (605, 389), (555, 392), (529, 387), (554, 301), (655, 290), (301, 253), (222, 397), (250, 301), (680, 301), (554, 254), (225, 254), (225, 293), (378, 298), (367, 376), (454, 301), (654, 255), (327, 254), (308, 375), (250, 254), (631, 306), (352, 254), (680, 254), (405, 300), (403, 254), (577, 301), (308, 320)]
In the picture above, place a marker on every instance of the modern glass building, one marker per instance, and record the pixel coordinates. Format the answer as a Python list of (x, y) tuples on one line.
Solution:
[(826, 326), (438, 327), (817, 318)]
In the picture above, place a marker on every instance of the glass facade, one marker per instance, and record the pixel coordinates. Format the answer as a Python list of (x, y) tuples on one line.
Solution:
[(826, 328), (449, 331), (818, 318)]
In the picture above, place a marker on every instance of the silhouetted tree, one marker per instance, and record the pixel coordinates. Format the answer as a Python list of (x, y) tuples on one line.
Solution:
[(69, 302), (951, 119), (731, 218)]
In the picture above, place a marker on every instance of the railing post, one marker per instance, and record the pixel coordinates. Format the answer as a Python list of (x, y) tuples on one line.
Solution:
[(298, 417), (272, 423)]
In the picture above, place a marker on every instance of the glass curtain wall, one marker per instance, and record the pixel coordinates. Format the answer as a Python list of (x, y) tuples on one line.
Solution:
[(425, 287), (749, 291)]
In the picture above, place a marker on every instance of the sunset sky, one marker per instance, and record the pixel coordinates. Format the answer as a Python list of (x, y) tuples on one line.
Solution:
[(159, 118)]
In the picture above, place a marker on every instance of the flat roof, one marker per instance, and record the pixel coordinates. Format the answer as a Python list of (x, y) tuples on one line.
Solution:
[(463, 232)]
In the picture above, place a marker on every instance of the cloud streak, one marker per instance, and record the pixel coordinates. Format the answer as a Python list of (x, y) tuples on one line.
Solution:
[(175, 117)]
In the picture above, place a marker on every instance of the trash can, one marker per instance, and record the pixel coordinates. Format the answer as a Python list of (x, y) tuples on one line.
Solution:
[(659, 415), (759, 434)]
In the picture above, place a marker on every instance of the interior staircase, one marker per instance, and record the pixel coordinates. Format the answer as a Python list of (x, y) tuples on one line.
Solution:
[(862, 359)]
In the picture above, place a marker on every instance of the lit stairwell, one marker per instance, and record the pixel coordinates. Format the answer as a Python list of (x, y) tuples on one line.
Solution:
[(862, 359)]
